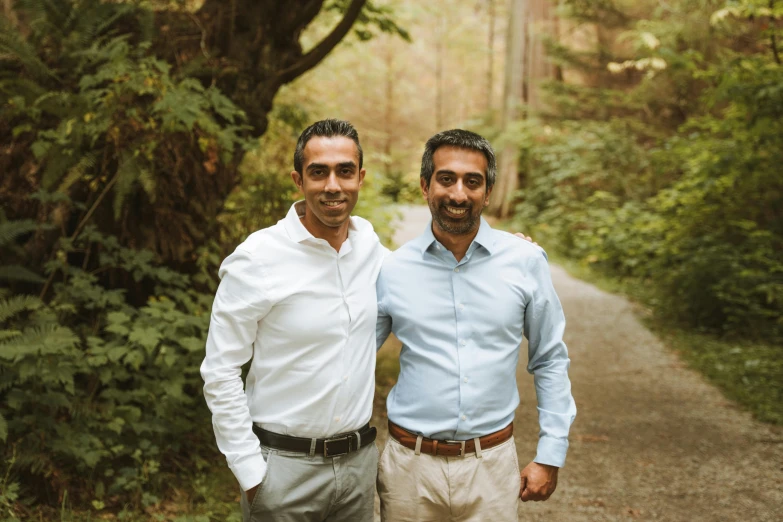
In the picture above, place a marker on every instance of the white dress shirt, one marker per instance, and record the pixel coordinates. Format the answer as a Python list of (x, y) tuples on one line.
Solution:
[(305, 315)]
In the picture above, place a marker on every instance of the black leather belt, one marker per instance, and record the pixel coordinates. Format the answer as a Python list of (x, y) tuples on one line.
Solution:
[(340, 444)]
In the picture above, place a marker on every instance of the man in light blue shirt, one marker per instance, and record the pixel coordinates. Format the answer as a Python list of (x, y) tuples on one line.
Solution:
[(459, 298)]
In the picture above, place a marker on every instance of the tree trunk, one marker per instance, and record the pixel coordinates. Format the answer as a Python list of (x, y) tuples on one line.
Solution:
[(440, 52), (491, 55), (540, 68), (507, 179), (389, 126)]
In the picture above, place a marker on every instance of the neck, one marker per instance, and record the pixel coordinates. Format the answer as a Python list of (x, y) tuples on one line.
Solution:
[(335, 236), (457, 244)]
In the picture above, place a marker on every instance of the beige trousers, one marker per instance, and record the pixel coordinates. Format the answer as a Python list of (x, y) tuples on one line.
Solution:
[(423, 488)]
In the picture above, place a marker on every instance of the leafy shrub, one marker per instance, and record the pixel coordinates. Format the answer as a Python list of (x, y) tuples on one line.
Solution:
[(99, 398), (695, 212), (92, 113)]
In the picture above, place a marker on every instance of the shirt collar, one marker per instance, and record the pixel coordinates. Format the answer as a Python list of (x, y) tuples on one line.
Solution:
[(293, 226), (483, 237), (297, 231)]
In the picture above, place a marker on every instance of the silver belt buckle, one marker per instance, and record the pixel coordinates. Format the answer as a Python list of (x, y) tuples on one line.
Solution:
[(337, 439), (461, 443)]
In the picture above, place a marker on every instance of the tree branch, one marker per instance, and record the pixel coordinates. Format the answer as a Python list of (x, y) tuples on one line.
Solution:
[(319, 52)]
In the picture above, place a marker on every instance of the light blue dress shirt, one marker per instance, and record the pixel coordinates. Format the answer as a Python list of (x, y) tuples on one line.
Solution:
[(461, 326)]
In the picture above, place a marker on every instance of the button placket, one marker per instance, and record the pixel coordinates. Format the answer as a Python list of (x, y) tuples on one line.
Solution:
[(456, 286), (341, 397)]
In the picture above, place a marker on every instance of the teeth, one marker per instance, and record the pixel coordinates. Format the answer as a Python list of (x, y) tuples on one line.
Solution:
[(457, 211), (332, 203)]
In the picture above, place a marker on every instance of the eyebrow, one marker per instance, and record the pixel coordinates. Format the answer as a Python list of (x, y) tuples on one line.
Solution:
[(314, 166), (446, 171)]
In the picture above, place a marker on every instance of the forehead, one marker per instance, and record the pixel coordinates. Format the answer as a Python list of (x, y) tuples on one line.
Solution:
[(330, 150), (459, 160)]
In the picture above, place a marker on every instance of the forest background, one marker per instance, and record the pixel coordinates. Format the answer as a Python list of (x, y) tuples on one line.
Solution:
[(641, 142)]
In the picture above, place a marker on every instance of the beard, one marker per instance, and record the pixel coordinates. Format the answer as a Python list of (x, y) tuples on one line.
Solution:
[(465, 225)]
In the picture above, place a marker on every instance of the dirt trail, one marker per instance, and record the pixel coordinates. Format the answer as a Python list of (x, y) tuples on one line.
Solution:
[(652, 440)]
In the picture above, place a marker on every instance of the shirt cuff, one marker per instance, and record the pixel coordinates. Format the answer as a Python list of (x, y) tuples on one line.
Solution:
[(249, 471), (551, 451)]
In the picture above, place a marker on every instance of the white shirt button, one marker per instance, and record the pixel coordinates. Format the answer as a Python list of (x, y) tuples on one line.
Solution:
[(464, 418), (456, 269), (461, 306), (337, 419), (465, 379), (462, 342), (345, 379)]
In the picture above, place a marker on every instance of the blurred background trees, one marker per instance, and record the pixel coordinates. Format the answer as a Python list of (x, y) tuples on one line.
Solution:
[(656, 153), (143, 140)]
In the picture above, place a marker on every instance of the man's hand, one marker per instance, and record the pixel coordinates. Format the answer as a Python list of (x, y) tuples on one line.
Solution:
[(526, 238), (251, 494), (538, 482)]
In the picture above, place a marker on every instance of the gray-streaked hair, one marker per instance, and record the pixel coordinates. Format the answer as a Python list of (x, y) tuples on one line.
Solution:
[(328, 129), (464, 140)]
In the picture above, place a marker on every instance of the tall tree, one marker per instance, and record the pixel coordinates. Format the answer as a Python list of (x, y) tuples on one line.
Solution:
[(513, 88), (161, 194), (490, 53)]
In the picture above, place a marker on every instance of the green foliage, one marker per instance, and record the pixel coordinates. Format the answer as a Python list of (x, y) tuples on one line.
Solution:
[(687, 197), (116, 170), (373, 17), (98, 397), (91, 113)]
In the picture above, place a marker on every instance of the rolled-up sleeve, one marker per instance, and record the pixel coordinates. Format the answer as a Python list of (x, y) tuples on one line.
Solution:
[(548, 362), (240, 303)]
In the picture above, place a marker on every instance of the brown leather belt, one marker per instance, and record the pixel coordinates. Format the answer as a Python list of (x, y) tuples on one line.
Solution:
[(449, 448)]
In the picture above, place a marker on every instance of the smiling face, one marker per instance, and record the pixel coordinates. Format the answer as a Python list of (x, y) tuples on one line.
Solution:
[(458, 191), (330, 181)]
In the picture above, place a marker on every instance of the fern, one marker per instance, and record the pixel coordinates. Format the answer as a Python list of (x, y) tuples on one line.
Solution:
[(19, 273), (16, 304), (37, 341), (10, 230), (127, 174), (78, 171), (15, 48), (148, 183)]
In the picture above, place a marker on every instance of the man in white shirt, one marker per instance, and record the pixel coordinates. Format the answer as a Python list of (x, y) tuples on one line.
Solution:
[(298, 301)]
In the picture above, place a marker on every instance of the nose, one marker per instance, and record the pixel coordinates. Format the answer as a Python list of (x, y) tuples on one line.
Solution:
[(458, 194), (332, 184)]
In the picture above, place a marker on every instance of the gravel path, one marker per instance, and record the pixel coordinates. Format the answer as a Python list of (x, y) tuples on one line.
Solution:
[(652, 440)]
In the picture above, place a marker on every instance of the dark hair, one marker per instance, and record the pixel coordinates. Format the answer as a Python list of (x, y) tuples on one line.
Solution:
[(328, 129), (464, 140)]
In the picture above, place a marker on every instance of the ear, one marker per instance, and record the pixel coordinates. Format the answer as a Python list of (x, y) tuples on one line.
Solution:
[(297, 179), (425, 190), (486, 198), (361, 176)]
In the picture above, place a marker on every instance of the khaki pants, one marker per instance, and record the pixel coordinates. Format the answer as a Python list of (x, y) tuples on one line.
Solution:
[(422, 488), (300, 488)]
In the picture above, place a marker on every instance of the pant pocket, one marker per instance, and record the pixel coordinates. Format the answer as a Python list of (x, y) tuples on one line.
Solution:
[(270, 458)]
